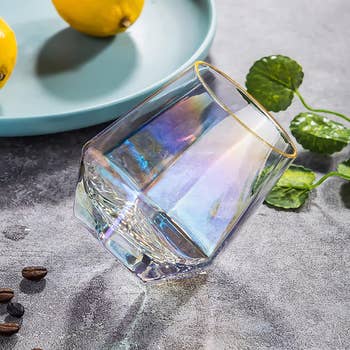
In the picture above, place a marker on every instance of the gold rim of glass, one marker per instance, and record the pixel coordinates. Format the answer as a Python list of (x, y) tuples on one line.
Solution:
[(287, 138)]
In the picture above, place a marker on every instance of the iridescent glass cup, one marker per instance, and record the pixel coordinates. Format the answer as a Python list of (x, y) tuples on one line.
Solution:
[(164, 186)]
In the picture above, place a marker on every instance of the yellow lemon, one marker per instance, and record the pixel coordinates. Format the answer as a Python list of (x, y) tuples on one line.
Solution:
[(8, 52), (99, 17)]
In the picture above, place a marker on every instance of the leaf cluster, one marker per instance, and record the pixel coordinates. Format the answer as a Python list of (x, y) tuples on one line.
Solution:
[(274, 81)]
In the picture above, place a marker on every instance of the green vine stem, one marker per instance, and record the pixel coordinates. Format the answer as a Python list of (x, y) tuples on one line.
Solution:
[(325, 177), (320, 110)]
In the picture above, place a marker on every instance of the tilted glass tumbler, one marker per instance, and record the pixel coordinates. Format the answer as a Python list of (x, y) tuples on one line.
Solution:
[(163, 187)]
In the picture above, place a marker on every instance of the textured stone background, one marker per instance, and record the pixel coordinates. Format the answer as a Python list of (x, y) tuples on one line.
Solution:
[(283, 283)]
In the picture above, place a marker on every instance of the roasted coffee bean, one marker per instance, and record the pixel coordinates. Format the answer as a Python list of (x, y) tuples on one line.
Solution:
[(15, 309), (6, 294), (9, 328), (34, 273)]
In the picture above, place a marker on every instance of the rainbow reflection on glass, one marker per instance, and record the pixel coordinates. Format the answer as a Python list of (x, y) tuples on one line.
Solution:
[(166, 185)]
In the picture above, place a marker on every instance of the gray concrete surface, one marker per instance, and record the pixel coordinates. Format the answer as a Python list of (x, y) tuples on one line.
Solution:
[(283, 283)]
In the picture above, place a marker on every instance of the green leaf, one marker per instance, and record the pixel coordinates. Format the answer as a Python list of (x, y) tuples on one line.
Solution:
[(273, 80), (344, 169), (295, 185), (287, 198), (292, 189), (297, 177), (261, 178), (319, 134)]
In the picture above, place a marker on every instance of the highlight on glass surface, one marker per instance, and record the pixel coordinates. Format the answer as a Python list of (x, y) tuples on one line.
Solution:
[(165, 186)]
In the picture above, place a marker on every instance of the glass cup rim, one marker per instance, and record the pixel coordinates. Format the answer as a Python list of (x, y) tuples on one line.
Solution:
[(287, 138)]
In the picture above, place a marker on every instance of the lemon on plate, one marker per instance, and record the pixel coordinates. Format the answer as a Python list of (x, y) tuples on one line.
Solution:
[(8, 52), (99, 17)]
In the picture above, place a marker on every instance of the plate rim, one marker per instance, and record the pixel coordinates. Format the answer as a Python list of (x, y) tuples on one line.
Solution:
[(145, 91)]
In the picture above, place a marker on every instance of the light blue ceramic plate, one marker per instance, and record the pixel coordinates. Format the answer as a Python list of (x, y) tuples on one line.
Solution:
[(64, 80)]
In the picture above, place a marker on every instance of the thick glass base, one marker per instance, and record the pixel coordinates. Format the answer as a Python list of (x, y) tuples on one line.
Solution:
[(142, 243)]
